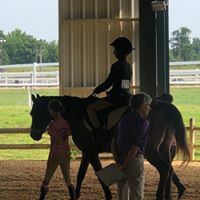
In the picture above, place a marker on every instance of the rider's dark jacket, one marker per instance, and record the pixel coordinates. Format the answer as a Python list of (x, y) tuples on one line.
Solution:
[(119, 78)]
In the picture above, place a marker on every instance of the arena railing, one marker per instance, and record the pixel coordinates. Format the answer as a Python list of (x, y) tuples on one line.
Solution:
[(191, 129)]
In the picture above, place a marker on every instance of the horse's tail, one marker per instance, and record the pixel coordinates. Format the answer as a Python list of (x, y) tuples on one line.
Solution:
[(180, 134)]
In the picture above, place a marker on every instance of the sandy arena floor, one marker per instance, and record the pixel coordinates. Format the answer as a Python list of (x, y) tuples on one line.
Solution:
[(20, 180)]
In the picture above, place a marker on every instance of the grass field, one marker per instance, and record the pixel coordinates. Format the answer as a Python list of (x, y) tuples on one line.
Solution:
[(29, 69), (14, 111)]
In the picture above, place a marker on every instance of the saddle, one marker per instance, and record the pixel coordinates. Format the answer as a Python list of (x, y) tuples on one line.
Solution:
[(108, 117)]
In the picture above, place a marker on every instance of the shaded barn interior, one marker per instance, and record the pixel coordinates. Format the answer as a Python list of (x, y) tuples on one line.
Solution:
[(86, 29)]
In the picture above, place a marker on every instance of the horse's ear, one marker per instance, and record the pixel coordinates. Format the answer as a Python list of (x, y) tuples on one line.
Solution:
[(33, 97), (37, 95)]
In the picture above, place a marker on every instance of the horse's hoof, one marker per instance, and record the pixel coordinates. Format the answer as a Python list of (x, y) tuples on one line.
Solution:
[(109, 197), (181, 192), (77, 195)]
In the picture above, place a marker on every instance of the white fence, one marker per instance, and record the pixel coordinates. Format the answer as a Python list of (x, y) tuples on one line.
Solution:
[(29, 79), (33, 78), (37, 78), (185, 77)]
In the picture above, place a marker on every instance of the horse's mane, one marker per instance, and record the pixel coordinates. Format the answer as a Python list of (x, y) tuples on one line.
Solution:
[(72, 104), (68, 99)]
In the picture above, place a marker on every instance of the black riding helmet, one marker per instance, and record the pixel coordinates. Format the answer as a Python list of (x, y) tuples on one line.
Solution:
[(122, 44)]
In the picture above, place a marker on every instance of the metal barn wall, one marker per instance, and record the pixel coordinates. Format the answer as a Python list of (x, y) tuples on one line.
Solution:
[(86, 29)]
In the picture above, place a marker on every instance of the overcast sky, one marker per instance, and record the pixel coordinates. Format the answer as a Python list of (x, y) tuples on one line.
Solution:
[(36, 17), (40, 17), (185, 13)]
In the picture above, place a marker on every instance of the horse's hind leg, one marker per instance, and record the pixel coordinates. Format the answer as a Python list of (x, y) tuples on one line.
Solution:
[(168, 195), (81, 174), (180, 187), (166, 155), (96, 164), (153, 156)]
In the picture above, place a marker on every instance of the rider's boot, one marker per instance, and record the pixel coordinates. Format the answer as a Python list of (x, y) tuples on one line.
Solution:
[(43, 192)]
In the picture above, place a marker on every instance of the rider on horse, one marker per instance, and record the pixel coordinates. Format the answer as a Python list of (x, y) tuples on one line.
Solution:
[(119, 79)]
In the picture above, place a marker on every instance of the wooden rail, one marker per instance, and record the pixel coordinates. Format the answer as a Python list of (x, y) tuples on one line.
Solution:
[(191, 129), (24, 146), (20, 146), (192, 138), (14, 130)]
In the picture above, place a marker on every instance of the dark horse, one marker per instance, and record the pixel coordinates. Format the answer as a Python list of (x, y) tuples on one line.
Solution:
[(165, 120)]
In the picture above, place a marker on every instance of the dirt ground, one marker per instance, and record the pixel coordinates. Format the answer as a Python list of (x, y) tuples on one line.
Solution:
[(21, 180)]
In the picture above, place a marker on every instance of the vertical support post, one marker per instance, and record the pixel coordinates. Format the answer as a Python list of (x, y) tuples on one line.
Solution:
[(96, 45), (162, 52), (6, 78), (154, 58), (29, 91), (72, 43), (192, 139), (84, 76), (57, 77), (34, 73), (147, 37)]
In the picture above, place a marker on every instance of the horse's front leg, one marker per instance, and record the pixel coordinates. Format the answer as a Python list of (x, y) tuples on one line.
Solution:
[(96, 164), (81, 174)]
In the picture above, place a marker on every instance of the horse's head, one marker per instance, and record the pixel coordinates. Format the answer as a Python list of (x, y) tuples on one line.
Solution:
[(40, 116)]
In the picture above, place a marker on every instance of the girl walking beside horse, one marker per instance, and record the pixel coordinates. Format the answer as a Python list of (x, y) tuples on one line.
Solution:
[(59, 154)]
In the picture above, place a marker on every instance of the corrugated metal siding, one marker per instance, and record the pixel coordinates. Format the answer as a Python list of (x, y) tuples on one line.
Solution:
[(91, 9), (87, 27)]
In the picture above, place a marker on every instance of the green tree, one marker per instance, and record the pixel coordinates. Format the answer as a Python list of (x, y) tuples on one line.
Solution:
[(47, 52), (196, 48), (52, 52), (171, 56), (41, 51), (181, 45), (4, 59), (20, 47)]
